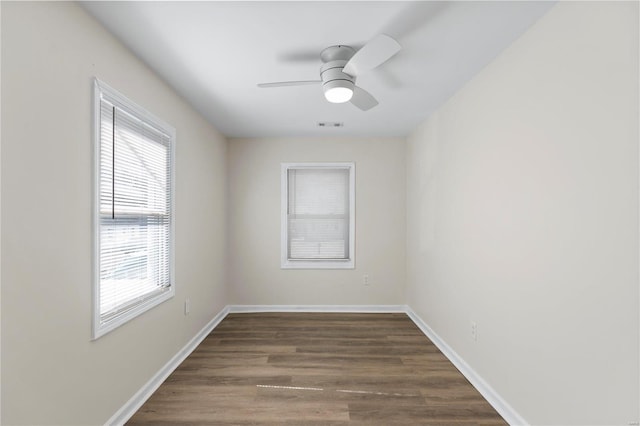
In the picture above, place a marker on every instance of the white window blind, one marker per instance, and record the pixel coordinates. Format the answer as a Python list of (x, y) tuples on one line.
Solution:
[(135, 212), (318, 216)]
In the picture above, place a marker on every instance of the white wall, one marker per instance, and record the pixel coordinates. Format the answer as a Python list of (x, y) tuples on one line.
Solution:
[(254, 215), (52, 373), (522, 215)]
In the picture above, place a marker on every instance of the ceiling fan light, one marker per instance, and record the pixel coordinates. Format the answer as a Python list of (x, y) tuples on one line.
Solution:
[(338, 91), (338, 95)]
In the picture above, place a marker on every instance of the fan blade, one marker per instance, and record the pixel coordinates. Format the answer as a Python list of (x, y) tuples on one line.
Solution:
[(374, 53), (414, 17), (309, 55), (363, 99), (289, 83)]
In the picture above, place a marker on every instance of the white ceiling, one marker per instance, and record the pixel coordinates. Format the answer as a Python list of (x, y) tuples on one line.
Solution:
[(214, 53)]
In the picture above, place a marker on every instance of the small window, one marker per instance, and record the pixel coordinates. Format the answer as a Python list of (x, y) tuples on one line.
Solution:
[(318, 215), (134, 162)]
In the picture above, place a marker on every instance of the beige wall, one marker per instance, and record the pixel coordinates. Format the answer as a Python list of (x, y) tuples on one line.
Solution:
[(254, 214), (522, 215), (52, 373)]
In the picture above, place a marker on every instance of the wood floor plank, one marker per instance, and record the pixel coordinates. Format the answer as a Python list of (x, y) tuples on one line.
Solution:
[(316, 369)]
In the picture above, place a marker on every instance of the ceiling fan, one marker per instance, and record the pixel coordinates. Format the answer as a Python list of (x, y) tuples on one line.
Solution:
[(342, 65)]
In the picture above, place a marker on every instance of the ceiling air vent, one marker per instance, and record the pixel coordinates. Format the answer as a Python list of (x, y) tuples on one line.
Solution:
[(330, 124)]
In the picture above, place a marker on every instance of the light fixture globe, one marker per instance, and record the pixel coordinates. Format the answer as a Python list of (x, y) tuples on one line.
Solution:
[(338, 91)]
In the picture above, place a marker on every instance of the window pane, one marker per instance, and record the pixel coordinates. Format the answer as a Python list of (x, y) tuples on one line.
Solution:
[(319, 191), (318, 238), (134, 260), (140, 168), (318, 213)]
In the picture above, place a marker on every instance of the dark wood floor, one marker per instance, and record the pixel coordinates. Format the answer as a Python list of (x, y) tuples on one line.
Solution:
[(317, 369)]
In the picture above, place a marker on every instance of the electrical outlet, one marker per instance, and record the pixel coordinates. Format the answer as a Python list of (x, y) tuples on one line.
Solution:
[(365, 279), (474, 331), (187, 306)]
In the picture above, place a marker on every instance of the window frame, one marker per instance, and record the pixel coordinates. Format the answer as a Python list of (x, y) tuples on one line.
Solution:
[(103, 91), (285, 262)]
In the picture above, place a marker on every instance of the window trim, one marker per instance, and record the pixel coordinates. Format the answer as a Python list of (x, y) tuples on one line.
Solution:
[(102, 90), (285, 262)]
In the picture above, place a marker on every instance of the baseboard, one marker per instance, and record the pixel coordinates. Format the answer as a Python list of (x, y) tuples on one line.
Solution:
[(140, 397), (492, 397), (319, 308)]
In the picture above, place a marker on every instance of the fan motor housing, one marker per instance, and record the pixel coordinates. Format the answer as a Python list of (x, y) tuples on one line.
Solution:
[(332, 72), (334, 59)]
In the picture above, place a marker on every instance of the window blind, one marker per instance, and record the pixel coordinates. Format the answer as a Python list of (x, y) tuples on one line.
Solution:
[(134, 211), (318, 213)]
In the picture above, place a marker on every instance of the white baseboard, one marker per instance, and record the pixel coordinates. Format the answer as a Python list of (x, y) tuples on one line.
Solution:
[(319, 308), (140, 397), (130, 407), (492, 397)]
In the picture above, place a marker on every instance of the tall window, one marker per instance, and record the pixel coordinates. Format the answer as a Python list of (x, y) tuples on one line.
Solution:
[(134, 213), (318, 215)]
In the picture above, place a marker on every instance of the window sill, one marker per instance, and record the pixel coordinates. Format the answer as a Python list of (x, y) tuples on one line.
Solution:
[(100, 328), (317, 264)]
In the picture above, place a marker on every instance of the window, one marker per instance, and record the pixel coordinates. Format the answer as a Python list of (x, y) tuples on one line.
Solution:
[(318, 215), (134, 157)]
